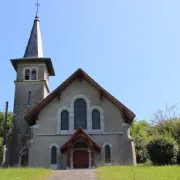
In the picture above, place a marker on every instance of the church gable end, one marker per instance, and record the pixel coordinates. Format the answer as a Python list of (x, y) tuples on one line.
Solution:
[(79, 75)]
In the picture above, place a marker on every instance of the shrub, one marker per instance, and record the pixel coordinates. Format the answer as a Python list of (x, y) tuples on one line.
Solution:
[(141, 150), (178, 157), (162, 151), (148, 163)]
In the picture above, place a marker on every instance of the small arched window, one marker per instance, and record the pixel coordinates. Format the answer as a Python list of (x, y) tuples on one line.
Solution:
[(107, 154), (27, 74), (96, 119), (33, 74), (80, 114), (64, 120), (54, 155)]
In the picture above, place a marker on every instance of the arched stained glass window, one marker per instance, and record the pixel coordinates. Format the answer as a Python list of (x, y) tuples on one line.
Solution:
[(80, 114), (27, 74), (54, 155), (96, 119), (107, 154), (64, 120)]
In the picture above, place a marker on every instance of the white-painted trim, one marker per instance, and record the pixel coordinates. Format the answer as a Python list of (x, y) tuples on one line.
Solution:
[(60, 110), (79, 96), (54, 145), (127, 130), (96, 107), (36, 126), (107, 143), (53, 166), (111, 146), (71, 117), (30, 141)]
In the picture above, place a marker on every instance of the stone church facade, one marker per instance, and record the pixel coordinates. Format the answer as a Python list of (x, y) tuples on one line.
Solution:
[(78, 125)]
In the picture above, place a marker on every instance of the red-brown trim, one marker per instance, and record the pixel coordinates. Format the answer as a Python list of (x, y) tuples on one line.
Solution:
[(129, 115), (74, 137)]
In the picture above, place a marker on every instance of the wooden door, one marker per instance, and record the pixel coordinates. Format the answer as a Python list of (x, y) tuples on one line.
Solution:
[(81, 159)]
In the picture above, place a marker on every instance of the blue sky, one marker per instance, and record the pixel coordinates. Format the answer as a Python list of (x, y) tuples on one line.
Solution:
[(130, 47)]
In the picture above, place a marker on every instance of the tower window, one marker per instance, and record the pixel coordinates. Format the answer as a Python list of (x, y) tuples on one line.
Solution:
[(33, 74), (27, 74), (29, 98)]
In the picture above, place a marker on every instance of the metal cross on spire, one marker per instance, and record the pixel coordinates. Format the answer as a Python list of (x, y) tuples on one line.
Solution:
[(37, 5)]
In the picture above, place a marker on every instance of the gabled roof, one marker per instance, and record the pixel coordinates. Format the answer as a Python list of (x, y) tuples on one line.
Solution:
[(128, 115), (34, 47), (80, 132)]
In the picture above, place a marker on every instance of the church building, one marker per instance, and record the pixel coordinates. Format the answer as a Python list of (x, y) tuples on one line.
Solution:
[(78, 125)]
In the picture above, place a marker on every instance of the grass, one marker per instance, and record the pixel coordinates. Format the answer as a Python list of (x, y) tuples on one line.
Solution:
[(24, 174), (138, 173)]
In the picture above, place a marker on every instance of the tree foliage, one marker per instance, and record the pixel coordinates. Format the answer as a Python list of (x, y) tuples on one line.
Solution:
[(164, 124), (140, 131), (9, 122), (162, 151), (9, 125)]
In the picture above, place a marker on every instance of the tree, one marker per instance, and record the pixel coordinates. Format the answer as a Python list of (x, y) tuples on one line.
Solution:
[(141, 131), (170, 113), (167, 122), (9, 125), (9, 122)]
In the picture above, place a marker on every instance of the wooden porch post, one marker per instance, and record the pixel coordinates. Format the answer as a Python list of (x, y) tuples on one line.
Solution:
[(92, 155), (68, 157)]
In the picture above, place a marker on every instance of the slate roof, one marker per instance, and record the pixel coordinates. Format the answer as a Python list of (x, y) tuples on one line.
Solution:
[(34, 47)]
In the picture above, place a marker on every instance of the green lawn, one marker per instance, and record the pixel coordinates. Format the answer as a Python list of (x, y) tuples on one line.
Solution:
[(24, 174), (138, 173)]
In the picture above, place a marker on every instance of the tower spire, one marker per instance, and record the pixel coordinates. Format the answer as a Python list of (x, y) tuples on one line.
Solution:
[(34, 47)]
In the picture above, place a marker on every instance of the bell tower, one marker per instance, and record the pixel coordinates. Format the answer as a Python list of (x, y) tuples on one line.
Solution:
[(31, 87)]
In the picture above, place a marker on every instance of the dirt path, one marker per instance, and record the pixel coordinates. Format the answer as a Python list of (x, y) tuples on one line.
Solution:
[(88, 174)]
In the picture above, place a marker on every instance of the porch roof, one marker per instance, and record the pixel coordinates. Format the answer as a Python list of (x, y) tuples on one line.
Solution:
[(80, 134)]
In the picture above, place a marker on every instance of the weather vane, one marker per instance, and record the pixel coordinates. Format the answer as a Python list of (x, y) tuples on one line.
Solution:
[(37, 5)]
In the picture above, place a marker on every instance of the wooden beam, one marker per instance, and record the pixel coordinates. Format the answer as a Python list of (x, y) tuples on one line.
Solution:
[(101, 93), (123, 115), (80, 77), (59, 96), (92, 155), (68, 158)]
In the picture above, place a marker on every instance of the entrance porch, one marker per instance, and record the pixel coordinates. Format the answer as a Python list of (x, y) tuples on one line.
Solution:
[(80, 150)]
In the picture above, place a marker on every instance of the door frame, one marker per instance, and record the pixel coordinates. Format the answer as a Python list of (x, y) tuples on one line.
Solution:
[(80, 149)]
